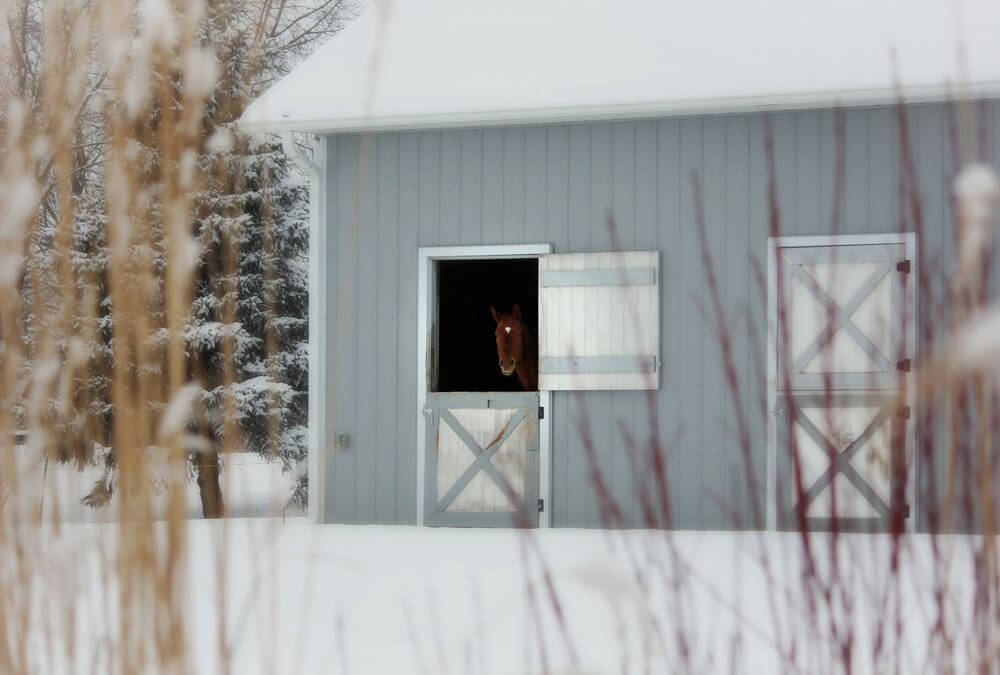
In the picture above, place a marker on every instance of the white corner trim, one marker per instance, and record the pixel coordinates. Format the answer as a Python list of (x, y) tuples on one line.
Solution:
[(315, 166), (425, 308)]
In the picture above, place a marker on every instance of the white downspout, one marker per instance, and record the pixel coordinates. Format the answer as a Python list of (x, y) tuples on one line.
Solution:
[(315, 166)]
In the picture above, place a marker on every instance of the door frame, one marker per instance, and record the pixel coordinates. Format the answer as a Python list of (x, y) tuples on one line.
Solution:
[(426, 308), (909, 242)]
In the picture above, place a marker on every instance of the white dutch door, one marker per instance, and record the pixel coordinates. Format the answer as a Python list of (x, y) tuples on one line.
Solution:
[(598, 328), (844, 340)]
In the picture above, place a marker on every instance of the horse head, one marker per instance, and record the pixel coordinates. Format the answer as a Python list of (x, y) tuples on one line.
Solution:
[(510, 341)]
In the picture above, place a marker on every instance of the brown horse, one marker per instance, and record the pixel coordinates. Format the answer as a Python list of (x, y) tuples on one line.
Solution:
[(516, 348)]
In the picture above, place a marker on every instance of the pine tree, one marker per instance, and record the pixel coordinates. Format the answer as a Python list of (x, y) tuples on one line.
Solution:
[(260, 204)]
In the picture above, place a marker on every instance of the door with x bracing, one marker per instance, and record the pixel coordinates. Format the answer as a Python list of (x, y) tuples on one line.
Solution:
[(482, 459), (844, 347)]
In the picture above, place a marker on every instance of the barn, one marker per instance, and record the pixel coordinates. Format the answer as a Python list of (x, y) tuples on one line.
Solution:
[(727, 228)]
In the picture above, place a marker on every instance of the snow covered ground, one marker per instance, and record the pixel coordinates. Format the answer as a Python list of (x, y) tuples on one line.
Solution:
[(302, 598), (251, 485)]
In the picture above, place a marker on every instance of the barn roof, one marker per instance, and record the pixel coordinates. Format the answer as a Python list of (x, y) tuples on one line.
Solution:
[(432, 63)]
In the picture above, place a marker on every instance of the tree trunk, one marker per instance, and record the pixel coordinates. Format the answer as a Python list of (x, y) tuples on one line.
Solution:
[(212, 505)]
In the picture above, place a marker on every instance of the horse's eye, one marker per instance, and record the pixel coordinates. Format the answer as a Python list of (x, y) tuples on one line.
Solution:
[(496, 335), (518, 335)]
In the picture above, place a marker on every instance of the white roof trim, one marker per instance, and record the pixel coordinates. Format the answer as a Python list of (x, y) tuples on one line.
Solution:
[(415, 64), (847, 99)]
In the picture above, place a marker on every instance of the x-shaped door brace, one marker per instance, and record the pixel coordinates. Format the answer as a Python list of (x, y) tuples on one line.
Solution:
[(842, 463), (840, 317), (482, 461)]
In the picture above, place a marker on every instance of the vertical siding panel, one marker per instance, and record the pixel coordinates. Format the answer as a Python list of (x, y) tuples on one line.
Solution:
[(451, 181), (715, 395), (581, 506), (470, 225), (623, 459), (513, 185), (668, 210), (645, 216), (929, 140), (579, 188), (737, 297), (883, 189), (810, 216), (429, 185), (557, 193), (857, 176), (623, 183), (557, 231), (492, 186), (387, 303), (986, 141), (931, 145), (645, 239), (601, 413), (367, 356), (343, 178), (406, 337), (944, 214), (826, 170), (785, 166), (784, 135), (601, 196), (536, 185), (756, 281), (689, 327), (990, 110)]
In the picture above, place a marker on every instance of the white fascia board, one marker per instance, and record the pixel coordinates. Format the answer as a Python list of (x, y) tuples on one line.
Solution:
[(680, 108)]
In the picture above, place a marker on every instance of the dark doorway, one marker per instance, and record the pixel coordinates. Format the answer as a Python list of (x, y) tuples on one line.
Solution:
[(466, 348)]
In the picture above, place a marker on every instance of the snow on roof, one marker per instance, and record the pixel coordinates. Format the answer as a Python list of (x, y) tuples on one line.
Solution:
[(432, 63)]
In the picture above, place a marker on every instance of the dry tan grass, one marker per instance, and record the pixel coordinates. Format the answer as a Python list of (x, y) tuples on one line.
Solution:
[(156, 79)]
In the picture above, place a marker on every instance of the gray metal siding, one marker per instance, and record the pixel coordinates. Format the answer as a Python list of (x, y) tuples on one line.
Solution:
[(558, 184)]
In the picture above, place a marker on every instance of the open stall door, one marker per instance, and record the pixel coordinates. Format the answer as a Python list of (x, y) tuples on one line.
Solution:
[(599, 321), (843, 347)]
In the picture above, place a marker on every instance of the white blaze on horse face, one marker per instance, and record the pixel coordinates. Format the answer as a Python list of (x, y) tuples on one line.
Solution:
[(507, 329)]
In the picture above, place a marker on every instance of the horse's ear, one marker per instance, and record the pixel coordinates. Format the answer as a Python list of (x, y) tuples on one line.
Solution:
[(496, 317), (516, 312)]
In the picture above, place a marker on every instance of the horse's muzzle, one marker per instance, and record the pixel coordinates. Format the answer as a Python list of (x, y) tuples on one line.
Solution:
[(507, 369)]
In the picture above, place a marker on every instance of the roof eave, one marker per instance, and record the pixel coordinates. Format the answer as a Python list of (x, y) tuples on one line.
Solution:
[(675, 108)]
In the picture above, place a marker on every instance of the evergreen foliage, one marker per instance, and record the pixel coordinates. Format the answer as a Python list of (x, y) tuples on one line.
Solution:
[(259, 208)]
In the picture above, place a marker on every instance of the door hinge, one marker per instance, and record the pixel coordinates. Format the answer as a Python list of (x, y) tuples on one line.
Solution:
[(903, 365), (541, 505), (541, 412), (903, 412), (903, 266)]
